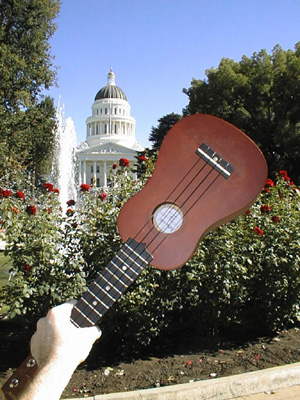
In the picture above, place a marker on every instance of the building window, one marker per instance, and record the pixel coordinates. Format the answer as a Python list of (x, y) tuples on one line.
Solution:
[(97, 130), (98, 169), (100, 110), (115, 128), (115, 110), (105, 128), (92, 169), (105, 110), (98, 182)]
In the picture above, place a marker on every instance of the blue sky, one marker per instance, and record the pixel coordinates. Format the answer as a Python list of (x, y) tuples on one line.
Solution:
[(156, 47)]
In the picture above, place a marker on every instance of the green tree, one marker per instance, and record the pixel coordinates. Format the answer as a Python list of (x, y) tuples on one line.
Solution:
[(261, 96), (165, 124), (26, 71)]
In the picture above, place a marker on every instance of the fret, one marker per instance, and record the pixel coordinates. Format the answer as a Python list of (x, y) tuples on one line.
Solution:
[(109, 286), (105, 300), (106, 292), (97, 298), (124, 273), (124, 284), (132, 260), (123, 262), (92, 308), (82, 319), (136, 254)]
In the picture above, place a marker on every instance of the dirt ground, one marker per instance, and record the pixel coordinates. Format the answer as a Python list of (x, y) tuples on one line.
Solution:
[(194, 360)]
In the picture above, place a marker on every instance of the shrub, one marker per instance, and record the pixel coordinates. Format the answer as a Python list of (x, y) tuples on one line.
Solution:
[(244, 274)]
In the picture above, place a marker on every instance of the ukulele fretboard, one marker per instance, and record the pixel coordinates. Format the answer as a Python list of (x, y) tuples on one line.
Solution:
[(111, 283)]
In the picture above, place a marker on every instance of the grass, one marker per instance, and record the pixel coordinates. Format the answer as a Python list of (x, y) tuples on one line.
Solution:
[(5, 264)]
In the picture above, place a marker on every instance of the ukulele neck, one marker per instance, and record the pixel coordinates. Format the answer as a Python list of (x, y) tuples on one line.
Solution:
[(111, 283)]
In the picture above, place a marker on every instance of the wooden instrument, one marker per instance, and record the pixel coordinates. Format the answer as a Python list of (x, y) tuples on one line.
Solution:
[(208, 172)]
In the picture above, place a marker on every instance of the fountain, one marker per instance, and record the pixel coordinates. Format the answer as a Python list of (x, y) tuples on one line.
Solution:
[(64, 163)]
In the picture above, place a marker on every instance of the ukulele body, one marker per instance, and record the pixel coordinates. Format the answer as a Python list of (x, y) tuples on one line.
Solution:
[(193, 188)]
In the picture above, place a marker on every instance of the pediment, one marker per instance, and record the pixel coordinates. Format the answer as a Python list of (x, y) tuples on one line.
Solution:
[(107, 148)]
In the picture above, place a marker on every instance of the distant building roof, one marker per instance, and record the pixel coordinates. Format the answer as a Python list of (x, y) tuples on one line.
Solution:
[(111, 91)]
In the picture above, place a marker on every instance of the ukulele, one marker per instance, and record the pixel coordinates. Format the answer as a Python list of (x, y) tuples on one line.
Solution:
[(208, 172)]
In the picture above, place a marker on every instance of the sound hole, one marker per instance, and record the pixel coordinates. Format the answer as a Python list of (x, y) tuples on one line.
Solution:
[(167, 218)]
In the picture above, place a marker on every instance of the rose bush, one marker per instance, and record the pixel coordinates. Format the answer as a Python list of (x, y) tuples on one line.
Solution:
[(244, 274), (47, 265)]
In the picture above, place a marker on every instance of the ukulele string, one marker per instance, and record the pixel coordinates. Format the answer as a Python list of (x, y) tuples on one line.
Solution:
[(168, 196), (186, 213), (166, 213), (124, 277), (165, 216)]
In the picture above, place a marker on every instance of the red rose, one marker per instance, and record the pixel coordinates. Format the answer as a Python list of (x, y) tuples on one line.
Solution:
[(115, 166), (265, 208), (102, 196), (84, 187), (124, 162), (56, 191), (71, 203), (70, 212), (75, 224), (27, 268), (20, 195), (269, 183), (31, 210), (248, 212), (48, 186), (275, 218), (6, 193), (142, 158), (258, 231), (284, 175)]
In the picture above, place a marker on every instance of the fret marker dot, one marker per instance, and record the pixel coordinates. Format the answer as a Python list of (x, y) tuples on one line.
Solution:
[(124, 268), (94, 303), (107, 288)]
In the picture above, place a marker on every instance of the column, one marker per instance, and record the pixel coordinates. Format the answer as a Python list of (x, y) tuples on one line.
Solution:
[(84, 172), (95, 174), (104, 174), (80, 173)]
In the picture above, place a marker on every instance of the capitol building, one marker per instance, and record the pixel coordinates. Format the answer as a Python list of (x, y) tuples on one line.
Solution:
[(110, 135)]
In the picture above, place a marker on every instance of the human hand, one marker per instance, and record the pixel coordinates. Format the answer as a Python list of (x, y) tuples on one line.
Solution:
[(56, 338), (57, 347)]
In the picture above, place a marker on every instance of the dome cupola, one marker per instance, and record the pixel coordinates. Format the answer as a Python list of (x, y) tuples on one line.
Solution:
[(111, 91)]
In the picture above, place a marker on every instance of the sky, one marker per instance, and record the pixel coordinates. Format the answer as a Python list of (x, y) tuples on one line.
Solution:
[(156, 47)]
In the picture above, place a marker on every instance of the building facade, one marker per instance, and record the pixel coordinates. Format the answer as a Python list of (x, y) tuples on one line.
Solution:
[(110, 135)]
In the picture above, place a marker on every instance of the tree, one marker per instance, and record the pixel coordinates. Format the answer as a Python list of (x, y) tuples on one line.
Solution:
[(26, 70), (165, 124), (261, 96)]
